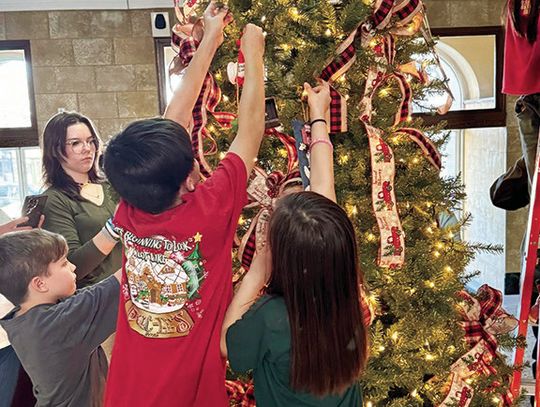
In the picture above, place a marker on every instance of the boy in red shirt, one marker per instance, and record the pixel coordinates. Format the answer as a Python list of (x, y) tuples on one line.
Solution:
[(177, 236)]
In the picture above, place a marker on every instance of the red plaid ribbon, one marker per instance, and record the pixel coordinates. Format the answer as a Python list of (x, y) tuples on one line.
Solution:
[(274, 184), (480, 315), (483, 319), (403, 10), (240, 394), (263, 189), (206, 103)]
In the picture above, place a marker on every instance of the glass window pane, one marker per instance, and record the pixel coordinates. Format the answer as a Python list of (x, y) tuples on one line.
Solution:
[(14, 98), (32, 170), (10, 194)]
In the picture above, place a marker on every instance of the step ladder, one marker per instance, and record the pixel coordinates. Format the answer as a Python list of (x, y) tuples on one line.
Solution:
[(527, 282)]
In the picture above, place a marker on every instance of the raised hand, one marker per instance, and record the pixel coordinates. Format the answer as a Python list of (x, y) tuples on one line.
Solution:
[(252, 43), (216, 18), (318, 99)]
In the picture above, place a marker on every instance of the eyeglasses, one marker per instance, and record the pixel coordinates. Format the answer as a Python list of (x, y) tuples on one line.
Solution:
[(77, 146)]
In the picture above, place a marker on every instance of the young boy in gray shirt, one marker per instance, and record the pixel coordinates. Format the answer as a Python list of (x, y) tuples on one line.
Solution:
[(55, 331)]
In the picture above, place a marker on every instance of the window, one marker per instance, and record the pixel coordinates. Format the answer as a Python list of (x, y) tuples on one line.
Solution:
[(476, 147), (20, 164), (20, 175), (164, 56), (474, 57), (18, 126)]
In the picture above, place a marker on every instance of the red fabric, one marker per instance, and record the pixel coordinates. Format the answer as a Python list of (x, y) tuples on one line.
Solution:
[(150, 365), (521, 63)]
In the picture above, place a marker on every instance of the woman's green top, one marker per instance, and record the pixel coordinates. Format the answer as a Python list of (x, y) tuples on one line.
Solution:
[(261, 341), (79, 221)]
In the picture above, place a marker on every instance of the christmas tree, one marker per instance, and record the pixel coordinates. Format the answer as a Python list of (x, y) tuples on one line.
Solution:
[(415, 269), (195, 271)]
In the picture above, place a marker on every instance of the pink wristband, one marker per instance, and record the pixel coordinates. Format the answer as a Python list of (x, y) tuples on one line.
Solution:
[(324, 141)]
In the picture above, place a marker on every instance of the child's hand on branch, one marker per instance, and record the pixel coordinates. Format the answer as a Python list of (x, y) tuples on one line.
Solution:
[(252, 43), (216, 17), (318, 99)]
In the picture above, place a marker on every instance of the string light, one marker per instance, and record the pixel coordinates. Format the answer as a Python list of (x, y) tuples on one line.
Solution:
[(263, 19), (371, 237), (222, 155), (373, 43), (415, 160), (383, 92), (328, 32), (436, 254), (439, 245), (430, 284), (381, 348), (212, 128), (450, 235), (414, 393), (352, 210), (286, 47), (496, 400), (448, 269), (342, 78), (429, 230), (429, 357), (343, 159), (293, 12), (225, 98), (282, 153), (394, 336), (218, 76), (369, 404), (241, 221)]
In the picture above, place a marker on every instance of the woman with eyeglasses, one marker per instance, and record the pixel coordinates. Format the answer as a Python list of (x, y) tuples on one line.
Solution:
[(80, 202)]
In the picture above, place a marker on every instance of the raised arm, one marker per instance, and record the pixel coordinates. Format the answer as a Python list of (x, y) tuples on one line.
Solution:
[(321, 150), (185, 96), (248, 292), (251, 110)]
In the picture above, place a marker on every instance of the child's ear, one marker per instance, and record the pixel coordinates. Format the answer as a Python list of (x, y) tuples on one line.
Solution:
[(190, 183), (38, 284)]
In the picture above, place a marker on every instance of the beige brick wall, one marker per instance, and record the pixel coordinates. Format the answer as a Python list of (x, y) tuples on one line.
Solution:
[(100, 63)]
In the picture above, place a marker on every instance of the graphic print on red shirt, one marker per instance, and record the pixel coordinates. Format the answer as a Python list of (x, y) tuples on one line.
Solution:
[(176, 287), (163, 276)]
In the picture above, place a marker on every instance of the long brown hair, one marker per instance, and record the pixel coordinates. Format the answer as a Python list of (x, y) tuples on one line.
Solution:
[(315, 270), (53, 143), (530, 29)]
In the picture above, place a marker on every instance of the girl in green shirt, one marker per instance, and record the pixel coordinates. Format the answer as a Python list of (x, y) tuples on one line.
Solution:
[(305, 339), (79, 200)]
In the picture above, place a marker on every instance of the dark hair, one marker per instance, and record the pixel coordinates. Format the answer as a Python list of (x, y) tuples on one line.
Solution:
[(148, 162), (315, 270), (529, 30), (53, 143), (25, 255)]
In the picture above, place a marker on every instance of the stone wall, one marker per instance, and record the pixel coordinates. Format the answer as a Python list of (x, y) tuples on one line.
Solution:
[(100, 63)]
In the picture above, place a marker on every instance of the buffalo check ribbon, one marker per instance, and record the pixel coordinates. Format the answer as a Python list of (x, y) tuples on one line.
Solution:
[(483, 319)]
